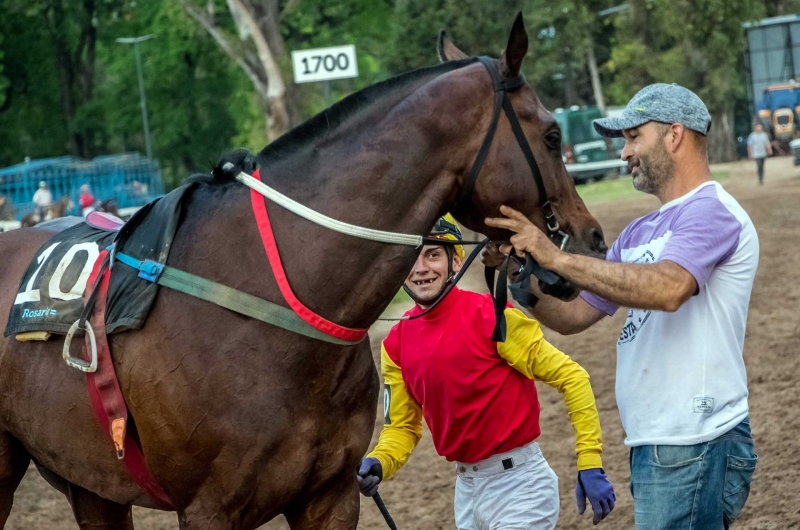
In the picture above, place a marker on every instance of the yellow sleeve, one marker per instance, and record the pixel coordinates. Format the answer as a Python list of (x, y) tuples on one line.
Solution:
[(402, 427), (527, 351)]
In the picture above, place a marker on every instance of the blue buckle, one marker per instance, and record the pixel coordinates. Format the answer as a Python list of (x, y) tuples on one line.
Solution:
[(150, 270)]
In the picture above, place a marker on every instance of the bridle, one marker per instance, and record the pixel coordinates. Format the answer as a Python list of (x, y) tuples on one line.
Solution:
[(501, 101), (520, 289)]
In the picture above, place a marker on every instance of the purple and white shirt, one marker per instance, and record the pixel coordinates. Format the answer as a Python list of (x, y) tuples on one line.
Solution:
[(680, 376)]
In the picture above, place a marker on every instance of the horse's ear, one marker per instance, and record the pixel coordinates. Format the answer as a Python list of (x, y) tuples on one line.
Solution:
[(447, 50), (511, 60)]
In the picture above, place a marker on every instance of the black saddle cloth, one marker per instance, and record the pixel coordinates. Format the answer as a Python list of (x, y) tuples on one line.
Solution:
[(50, 294)]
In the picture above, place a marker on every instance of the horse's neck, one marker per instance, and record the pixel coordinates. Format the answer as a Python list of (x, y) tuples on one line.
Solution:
[(399, 174)]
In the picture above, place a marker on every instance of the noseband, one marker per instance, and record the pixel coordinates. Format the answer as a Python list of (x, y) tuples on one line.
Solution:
[(501, 101)]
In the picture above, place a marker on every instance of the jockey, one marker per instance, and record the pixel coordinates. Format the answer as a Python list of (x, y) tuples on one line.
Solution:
[(480, 402), (86, 200), (445, 228)]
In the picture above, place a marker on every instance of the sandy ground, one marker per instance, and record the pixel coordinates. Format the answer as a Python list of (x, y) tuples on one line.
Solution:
[(421, 496)]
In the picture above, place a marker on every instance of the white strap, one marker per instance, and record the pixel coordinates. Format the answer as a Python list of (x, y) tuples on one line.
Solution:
[(323, 220)]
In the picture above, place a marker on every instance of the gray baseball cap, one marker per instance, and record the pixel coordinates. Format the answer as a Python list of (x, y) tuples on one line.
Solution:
[(659, 102)]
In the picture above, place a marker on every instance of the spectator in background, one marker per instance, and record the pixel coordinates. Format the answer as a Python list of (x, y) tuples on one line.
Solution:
[(86, 200), (43, 199), (6, 209), (758, 148)]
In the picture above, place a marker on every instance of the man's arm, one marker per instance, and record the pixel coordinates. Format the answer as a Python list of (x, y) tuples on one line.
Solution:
[(664, 285), (566, 318), (526, 350), (403, 420)]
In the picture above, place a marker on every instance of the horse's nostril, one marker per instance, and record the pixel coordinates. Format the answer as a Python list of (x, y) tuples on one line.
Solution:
[(598, 242)]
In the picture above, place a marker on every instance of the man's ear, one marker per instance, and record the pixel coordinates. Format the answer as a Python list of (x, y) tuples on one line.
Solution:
[(677, 135), (447, 51)]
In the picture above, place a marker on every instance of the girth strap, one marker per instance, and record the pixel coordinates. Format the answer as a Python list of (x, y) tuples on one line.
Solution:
[(227, 297), (105, 393)]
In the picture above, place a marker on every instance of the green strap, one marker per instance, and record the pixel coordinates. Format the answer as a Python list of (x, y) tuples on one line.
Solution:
[(243, 303)]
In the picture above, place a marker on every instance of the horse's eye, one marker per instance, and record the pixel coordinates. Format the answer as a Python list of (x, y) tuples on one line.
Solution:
[(553, 140)]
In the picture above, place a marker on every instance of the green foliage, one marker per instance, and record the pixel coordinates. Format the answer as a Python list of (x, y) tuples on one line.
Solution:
[(59, 95), (4, 82), (698, 44), (320, 23)]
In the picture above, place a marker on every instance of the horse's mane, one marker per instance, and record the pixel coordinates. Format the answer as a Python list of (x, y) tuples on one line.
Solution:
[(322, 124), (334, 116)]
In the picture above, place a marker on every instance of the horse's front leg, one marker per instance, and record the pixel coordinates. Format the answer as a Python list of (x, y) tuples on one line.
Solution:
[(335, 507), (93, 512)]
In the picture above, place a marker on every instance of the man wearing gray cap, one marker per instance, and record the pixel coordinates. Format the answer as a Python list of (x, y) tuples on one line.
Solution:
[(686, 272)]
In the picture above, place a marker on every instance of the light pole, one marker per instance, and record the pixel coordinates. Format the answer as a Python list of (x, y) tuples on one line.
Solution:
[(135, 41)]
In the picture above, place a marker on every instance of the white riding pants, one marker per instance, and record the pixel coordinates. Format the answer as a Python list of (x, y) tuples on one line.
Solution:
[(513, 490)]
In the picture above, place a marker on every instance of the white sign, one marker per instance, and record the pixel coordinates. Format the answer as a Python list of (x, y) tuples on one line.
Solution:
[(323, 64)]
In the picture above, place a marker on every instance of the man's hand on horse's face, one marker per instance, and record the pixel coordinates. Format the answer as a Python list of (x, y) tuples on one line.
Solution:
[(527, 237)]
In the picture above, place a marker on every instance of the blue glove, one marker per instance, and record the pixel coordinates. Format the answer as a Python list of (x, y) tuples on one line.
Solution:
[(594, 484), (369, 476)]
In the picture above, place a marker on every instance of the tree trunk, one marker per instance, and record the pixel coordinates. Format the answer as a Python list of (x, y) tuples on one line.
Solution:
[(721, 141), (262, 33), (597, 88), (256, 20), (75, 69), (569, 81)]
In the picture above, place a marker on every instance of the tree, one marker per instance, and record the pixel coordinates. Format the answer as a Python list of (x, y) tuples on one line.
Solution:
[(197, 101), (70, 28), (256, 51), (697, 44), (5, 84)]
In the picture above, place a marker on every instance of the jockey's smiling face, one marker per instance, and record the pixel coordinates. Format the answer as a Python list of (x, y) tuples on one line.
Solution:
[(430, 272)]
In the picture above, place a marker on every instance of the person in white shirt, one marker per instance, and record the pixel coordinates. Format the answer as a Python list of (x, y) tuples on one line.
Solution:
[(758, 148), (43, 199), (686, 272)]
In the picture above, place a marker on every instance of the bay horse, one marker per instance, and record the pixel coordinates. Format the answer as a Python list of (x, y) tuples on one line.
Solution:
[(56, 210), (240, 421)]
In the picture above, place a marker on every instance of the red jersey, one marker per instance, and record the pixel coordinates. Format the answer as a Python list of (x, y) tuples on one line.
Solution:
[(475, 404), (86, 200)]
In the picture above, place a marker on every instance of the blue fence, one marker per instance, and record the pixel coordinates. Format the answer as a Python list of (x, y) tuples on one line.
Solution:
[(131, 179)]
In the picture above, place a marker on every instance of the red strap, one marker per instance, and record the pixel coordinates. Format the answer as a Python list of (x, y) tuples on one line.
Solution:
[(268, 238), (106, 396)]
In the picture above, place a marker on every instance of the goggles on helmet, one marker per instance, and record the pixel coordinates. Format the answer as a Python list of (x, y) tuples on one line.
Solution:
[(444, 227)]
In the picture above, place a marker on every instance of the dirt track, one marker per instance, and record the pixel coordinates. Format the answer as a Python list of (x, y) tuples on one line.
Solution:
[(421, 495)]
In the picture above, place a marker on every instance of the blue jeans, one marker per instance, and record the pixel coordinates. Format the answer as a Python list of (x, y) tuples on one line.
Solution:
[(693, 487)]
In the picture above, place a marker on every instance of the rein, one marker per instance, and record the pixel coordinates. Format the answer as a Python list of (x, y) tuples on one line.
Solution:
[(381, 236)]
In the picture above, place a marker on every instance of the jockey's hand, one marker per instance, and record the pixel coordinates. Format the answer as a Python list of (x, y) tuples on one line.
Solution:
[(491, 255), (527, 238), (594, 484), (369, 475)]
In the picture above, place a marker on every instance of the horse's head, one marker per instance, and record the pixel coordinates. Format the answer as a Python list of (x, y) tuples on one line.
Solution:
[(506, 176)]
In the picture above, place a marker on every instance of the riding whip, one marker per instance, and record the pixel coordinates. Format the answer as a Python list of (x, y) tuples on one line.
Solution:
[(384, 511)]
